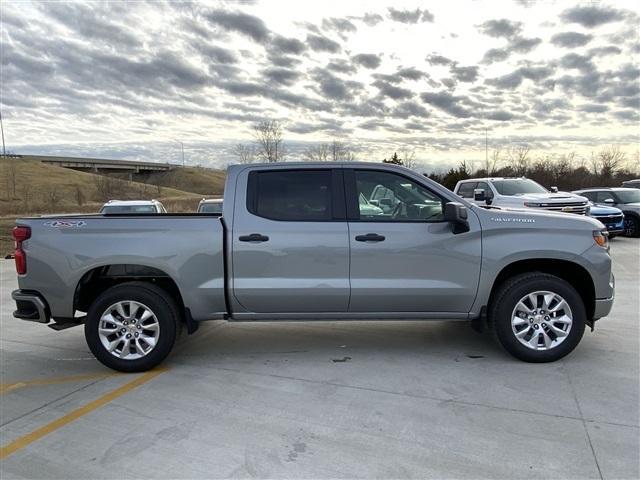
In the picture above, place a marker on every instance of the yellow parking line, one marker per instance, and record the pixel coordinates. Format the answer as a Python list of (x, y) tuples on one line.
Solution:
[(9, 387), (75, 414)]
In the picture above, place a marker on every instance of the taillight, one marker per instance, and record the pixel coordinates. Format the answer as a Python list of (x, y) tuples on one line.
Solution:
[(20, 234)]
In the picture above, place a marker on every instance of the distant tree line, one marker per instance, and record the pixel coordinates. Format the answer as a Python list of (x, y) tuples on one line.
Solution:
[(608, 167)]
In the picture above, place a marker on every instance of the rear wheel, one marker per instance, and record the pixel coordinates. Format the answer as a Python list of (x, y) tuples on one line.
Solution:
[(538, 317), (132, 327), (631, 226)]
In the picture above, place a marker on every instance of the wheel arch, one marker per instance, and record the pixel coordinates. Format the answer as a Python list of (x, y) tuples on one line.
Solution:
[(573, 273), (99, 279)]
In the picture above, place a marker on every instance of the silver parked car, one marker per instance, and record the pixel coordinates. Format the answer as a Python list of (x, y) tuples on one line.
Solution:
[(210, 205), (132, 206)]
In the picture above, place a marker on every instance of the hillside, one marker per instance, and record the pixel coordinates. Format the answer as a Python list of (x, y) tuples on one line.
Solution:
[(204, 181), (29, 187)]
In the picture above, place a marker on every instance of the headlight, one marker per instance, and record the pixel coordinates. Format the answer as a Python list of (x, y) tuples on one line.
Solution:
[(530, 204), (601, 237)]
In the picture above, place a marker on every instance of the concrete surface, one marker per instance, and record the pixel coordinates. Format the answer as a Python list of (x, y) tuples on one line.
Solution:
[(274, 400)]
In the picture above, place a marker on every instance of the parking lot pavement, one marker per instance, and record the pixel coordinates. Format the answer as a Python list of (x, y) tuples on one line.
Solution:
[(325, 400)]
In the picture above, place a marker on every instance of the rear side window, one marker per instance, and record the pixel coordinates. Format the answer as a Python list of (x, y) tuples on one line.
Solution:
[(291, 195), (466, 189)]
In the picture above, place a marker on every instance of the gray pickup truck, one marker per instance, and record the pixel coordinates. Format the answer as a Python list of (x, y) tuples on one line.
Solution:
[(307, 241)]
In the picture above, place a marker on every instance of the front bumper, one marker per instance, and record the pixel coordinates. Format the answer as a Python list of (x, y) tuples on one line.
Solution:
[(31, 306), (602, 308)]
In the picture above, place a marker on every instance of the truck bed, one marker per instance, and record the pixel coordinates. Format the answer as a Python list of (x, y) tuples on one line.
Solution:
[(187, 248)]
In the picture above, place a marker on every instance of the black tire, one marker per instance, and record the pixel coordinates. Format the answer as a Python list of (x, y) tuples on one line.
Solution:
[(158, 301), (631, 226), (504, 303)]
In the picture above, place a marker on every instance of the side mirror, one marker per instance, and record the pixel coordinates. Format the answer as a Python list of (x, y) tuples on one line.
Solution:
[(554, 189), (479, 195), (610, 201), (456, 214)]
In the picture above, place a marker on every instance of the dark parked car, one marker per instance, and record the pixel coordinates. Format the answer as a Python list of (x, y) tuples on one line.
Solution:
[(626, 199)]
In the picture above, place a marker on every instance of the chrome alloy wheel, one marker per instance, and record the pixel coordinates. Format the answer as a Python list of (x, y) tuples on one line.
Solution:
[(541, 320), (128, 330)]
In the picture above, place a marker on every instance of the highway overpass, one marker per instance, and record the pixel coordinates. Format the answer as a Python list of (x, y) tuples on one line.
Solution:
[(100, 164)]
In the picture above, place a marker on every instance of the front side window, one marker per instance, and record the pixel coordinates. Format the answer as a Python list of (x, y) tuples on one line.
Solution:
[(604, 195), (403, 199), (291, 195), (487, 189), (466, 189), (628, 196)]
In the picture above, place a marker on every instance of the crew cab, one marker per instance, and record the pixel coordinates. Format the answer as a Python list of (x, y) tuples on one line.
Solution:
[(519, 193), (296, 241)]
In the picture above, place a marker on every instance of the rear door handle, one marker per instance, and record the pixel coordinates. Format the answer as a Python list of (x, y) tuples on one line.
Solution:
[(370, 237), (254, 237)]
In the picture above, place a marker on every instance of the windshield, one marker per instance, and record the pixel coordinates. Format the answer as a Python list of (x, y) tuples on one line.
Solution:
[(517, 186), (628, 196), (210, 208), (128, 209)]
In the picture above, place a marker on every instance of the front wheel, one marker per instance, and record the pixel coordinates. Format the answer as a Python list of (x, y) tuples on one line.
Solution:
[(631, 226), (538, 317), (132, 327)]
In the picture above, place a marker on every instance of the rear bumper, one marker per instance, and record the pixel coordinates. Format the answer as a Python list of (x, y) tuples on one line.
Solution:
[(30, 306)]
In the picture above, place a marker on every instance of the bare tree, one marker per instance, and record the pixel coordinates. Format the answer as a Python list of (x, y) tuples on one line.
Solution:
[(341, 152), (245, 153), (492, 163), (519, 158), (408, 158), (317, 153), (269, 136), (26, 195), (609, 160)]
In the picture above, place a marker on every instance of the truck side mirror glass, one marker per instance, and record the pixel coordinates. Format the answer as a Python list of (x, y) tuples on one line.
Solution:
[(456, 214), (554, 189), (479, 195)]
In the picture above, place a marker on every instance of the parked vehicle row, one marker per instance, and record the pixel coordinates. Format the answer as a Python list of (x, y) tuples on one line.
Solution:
[(625, 199), (308, 241)]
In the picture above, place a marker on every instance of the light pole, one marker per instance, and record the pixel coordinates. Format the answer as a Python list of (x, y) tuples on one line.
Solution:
[(182, 148)]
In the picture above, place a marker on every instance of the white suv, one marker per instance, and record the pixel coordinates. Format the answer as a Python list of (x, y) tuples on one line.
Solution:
[(132, 206), (519, 193)]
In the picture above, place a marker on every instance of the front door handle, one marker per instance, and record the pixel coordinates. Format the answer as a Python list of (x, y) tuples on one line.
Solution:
[(254, 237), (370, 237)]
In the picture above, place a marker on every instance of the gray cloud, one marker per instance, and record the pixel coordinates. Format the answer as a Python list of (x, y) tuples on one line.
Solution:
[(435, 59), (593, 108), (288, 45), (591, 16), (411, 73), (243, 23), (579, 62), (446, 102), (367, 60), (333, 87), (410, 16), (501, 28), (282, 76), (495, 55), (341, 66), (320, 43), (515, 79), (372, 19), (524, 45), (341, 25), (465, 74), (217, 54), (571, 39), (405, 110), (604, 51), (392, 91)]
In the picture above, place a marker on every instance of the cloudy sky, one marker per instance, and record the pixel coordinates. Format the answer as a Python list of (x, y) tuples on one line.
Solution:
[(128, 79)]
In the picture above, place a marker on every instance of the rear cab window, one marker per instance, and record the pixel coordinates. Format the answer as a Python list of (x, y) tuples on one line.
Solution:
[(303, 195)]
